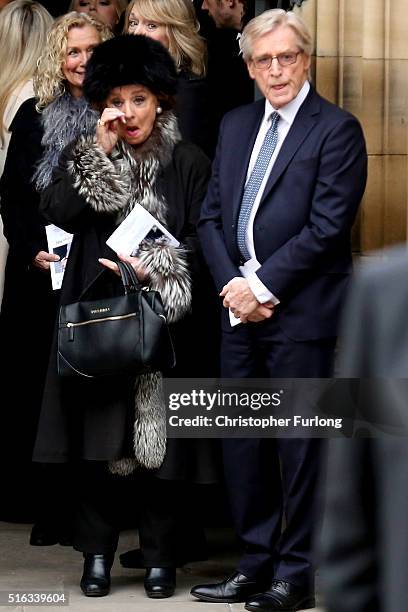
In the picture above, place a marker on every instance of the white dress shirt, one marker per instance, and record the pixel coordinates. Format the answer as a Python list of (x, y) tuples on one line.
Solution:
[(287, 115)]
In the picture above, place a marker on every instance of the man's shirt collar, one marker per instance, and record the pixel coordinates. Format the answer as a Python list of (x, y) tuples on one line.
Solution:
[(290, 110)]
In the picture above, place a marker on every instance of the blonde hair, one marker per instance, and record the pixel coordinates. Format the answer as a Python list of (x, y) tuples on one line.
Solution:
[(186, 46), (120, 6), (23, 34), (49, 78), (269, 21)]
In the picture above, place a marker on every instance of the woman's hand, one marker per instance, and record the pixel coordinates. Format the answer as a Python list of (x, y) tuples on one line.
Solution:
[(42, 260), (134, 262), (107, 129)]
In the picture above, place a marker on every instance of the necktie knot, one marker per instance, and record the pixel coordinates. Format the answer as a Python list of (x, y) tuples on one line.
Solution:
[(273, 119)]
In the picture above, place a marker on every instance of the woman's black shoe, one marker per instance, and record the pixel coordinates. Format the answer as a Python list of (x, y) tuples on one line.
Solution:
[(95, 581), (160, 582), (43, 536)]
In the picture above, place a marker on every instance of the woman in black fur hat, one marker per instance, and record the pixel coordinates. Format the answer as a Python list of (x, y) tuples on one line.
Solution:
[(136, 156)]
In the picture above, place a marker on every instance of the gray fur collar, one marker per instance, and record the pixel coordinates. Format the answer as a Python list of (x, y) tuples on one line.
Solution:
[(116, 183), (63, 120)]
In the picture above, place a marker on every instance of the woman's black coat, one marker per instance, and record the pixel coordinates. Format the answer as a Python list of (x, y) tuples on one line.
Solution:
[(93, 420)]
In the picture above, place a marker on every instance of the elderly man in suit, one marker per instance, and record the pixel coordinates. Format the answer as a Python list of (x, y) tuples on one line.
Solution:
[(289, 173)]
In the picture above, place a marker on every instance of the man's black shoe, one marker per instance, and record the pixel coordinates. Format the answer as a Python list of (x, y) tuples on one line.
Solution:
[(160, 582), (95, 580), (281, 597), (234, 589)]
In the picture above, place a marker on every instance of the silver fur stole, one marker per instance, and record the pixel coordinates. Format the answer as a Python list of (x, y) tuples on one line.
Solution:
[(114, 185), (64, 120)]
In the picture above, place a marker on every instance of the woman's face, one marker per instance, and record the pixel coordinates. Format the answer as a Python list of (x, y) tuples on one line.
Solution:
[(80, 45), (139, 106), (102, 10), (147, 27)]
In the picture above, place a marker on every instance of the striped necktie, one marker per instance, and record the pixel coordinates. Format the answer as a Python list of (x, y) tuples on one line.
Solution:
[(254, 182)]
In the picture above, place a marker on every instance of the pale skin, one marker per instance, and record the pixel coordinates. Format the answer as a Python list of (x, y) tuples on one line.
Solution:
[(43, 259), (242, 302), (129, 115), (147, 27), (225, 13)]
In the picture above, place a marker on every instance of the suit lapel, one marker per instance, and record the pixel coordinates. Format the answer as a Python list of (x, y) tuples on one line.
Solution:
[(304, 122), (247, 137)]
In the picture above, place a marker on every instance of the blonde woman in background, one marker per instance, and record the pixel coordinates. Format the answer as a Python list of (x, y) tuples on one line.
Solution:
[(106, 11), (23, 32), (43, 126), (173, 23)]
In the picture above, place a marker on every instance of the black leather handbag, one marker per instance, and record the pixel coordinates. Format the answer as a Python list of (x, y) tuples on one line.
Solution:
[(116, 335)]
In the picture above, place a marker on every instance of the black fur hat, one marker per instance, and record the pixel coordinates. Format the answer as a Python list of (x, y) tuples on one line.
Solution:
[(127, 60)]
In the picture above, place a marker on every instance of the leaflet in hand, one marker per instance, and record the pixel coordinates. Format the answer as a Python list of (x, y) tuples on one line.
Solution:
[(59, 243), (139, 225)]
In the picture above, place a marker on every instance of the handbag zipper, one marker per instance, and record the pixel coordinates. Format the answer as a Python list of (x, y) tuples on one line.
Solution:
[(71, 326)]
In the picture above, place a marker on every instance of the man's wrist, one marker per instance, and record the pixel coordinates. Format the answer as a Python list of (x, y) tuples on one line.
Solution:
[(260, 291)]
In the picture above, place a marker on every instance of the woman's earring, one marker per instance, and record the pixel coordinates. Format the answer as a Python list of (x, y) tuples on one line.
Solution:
[(159, 110)]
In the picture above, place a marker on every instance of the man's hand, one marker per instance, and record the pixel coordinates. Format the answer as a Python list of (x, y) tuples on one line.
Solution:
[(42, 260), (239, 297), (242, 302)]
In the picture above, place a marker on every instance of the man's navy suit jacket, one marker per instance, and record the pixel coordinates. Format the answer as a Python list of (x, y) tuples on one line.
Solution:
[(303, 224)]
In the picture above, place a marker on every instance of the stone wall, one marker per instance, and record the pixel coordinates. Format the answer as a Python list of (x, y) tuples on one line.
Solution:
[(362, 64)]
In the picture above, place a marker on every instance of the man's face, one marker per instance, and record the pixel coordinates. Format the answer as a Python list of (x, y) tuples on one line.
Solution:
[(279, 84), (219, 11)]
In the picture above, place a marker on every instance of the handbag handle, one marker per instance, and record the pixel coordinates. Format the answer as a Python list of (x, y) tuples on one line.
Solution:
[(128, 276)]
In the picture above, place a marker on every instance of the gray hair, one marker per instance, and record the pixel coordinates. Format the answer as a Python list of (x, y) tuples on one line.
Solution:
[(269, 21)]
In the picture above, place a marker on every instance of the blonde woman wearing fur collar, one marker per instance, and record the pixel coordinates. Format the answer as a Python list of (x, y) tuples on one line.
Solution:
[(135, 156)]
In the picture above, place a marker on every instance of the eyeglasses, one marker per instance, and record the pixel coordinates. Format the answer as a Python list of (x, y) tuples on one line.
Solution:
[(284, 59)]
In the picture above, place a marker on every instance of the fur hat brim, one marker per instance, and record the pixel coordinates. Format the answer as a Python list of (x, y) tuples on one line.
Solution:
[(127, 60)]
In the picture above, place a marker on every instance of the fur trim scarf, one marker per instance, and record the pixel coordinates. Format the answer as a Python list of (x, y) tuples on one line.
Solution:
[(63, 120), (114, 184)]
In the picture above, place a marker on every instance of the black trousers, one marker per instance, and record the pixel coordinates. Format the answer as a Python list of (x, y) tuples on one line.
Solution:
[(276, 478), (96, 527)]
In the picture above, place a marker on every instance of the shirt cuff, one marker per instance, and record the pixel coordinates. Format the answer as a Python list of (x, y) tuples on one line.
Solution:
[(261, 292)]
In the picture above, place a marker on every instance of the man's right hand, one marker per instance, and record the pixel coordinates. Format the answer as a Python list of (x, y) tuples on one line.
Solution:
[(42, 260)]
